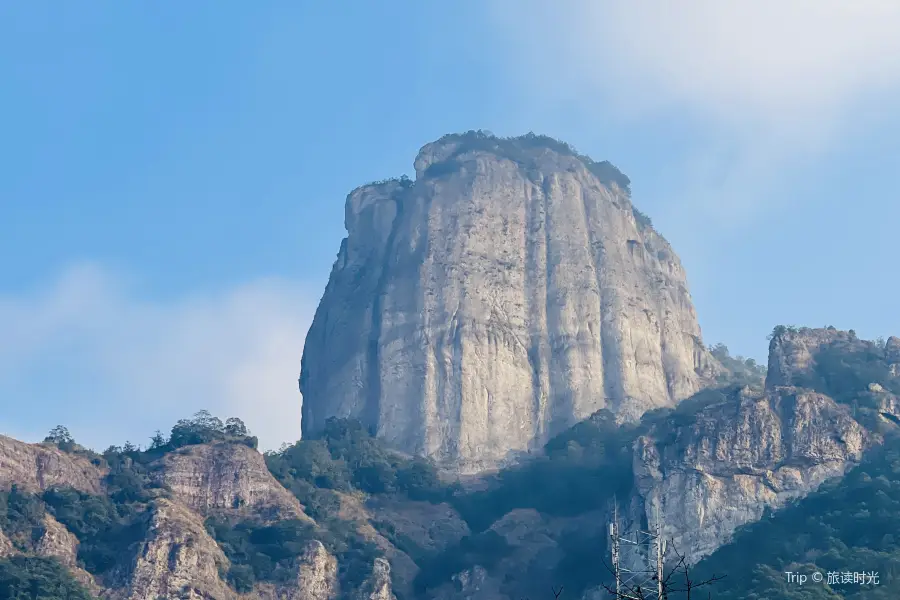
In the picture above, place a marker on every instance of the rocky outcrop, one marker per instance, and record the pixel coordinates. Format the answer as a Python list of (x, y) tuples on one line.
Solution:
[(795, 353), (36, 467), (176, 556), (378, 585), (474, 583), (57, 542), (792, 352), (178, 559), (509, 292), (6, 546), (316, 575), (737, 457), (225, 476), (316, 579)]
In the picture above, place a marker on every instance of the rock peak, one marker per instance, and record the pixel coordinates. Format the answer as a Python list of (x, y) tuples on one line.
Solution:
[(509, 292), (530, 150), (793, 352)]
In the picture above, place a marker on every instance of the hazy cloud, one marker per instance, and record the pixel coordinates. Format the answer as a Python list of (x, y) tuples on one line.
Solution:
[(764, 83), (89, 352)]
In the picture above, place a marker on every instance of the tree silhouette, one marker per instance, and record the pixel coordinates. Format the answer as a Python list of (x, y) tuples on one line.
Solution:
[(60, 437)]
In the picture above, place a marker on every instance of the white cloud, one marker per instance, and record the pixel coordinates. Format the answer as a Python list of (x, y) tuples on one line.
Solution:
[(768, 62), (88, 352), (763, 83)]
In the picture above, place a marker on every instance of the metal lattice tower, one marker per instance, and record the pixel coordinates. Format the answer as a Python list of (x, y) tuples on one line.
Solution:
[(647, 550)]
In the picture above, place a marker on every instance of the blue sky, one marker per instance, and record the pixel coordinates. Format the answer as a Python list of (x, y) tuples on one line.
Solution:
[(173, 174)]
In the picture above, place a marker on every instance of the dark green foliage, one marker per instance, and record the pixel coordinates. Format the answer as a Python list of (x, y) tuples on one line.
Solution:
[(524, 150), (130, 480), (741, 371), (845, 368), (21, 517), (582, 565), (844, 371), (36, 578), (260, 552), (404, 181), (583, 468), (204, 428), (848, 525), (485, 549), (268, 552), (61, 438), (347, 458), (642, 219), (105, 529)]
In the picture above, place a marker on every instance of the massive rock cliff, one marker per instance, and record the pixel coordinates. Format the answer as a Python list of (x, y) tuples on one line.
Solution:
[(737, 458), (509, 292), (722, 459)]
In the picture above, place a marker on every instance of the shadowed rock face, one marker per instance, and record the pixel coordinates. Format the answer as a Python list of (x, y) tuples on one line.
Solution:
[(508, 293)]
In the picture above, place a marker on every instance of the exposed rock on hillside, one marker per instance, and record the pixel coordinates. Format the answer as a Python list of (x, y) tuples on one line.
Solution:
[(378, 585), (178, 560), (795, 354), (508, 293), (225, 476), (6, 546), (58, 542), (738, 457), (316, 578), (317, 574), (35, 467)]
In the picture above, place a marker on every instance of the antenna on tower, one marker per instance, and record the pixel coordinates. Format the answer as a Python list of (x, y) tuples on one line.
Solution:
[(645, 552)]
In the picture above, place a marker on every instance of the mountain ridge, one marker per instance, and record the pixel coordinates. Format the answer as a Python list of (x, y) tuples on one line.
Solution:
[(204, 514)]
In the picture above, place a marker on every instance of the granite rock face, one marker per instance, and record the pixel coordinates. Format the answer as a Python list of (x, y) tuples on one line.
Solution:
[(174, 555), (739, 457), (6, 546), (36, 467), (705, 473), (509, 292), (178, 559), (57, 542), (316, 575), (378, 585), (225, 476), (316, 579)]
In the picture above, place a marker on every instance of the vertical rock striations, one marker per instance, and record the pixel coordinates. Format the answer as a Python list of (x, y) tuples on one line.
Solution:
[(508, 292)]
